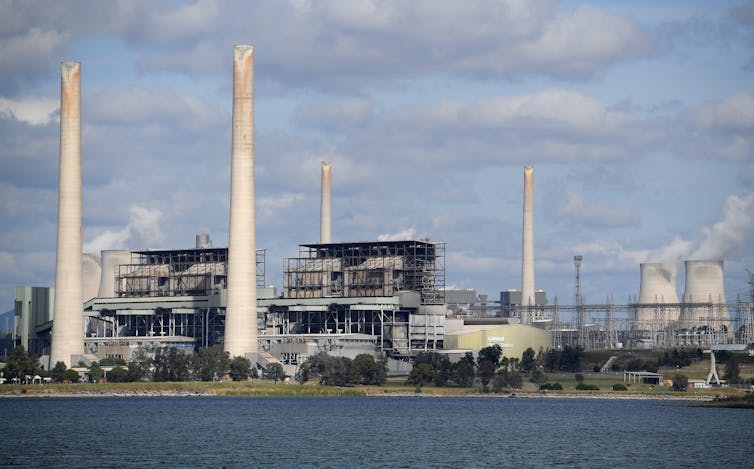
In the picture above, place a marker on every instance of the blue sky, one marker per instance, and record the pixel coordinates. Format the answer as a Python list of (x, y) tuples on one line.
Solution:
[(638, 118)]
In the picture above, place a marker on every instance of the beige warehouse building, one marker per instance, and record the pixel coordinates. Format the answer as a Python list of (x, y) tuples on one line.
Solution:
[(475, 334)]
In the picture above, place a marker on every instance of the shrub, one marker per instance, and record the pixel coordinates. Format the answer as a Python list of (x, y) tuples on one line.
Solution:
[(680, 382), (587, 387), (551, 387), (619, 387)]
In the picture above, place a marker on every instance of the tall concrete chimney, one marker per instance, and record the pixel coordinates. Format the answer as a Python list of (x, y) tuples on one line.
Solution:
[(241, 311), (527, 254), (325, 221), (68, 317)]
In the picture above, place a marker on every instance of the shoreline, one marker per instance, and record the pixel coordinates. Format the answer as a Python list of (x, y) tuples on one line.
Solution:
[(340, 392)]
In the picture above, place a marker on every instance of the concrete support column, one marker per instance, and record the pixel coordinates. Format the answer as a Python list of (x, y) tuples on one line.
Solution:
[(241, 312), (68, 318)]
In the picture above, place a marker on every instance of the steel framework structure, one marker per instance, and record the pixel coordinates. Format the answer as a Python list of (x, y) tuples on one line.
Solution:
[(366, 269), (178, 272)]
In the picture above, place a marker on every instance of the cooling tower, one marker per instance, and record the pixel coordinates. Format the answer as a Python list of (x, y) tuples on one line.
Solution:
[(111, 259), (91, 273), (241, 311), (68, 317), (704, 284), (658, 286), (325, 222), (527, 255)]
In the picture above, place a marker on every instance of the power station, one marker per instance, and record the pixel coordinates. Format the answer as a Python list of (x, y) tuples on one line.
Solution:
[(387, 298)]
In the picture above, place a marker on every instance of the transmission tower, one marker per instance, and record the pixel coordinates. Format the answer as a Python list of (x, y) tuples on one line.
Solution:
[(578, 301)]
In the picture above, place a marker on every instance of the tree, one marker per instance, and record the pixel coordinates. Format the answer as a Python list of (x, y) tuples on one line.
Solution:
[(732, 370), (96, 373), (680, 382), (58, 372), (240, 368), (491, 353), (486, 372), (369, 370), (579, 378), (275, 372), (320, 365), (538, 377), (71, 376), (117, 375), (140, 365), (440, 364), (421, 375), (19, 364), (571, 358), (112, 361), (464, 371), (210, 363), (528, 362), (171, 364)]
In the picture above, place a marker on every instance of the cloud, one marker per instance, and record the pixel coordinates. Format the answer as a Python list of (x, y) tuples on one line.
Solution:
[(573, 207), (549, 125), (724, 128), (143, 229), (403, 235), (364, 41), (734, 113), (33, 111)]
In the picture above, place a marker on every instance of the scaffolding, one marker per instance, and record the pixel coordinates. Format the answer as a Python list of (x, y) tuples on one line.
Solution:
[(178, 272), (367, 269)]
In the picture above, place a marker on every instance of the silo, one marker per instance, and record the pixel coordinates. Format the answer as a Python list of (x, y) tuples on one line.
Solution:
[(704, 284), (203, 241), (91, 274), (658, 287), (111, 259)]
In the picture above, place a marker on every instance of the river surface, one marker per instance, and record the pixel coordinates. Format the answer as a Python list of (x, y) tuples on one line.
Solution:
[(387, 432)]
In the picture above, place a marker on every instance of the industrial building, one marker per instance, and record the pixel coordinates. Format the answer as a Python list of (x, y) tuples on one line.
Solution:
[(387, 297)]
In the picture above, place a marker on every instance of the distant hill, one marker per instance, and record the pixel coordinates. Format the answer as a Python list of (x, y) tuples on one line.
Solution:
[(6, 321)]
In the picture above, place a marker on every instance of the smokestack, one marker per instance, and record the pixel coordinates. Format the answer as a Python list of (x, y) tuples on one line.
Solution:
[(325, 222), (68, 318), (527, 255), (241, 312)]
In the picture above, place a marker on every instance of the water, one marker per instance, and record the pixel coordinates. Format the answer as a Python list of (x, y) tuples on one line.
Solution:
[(369, 432)]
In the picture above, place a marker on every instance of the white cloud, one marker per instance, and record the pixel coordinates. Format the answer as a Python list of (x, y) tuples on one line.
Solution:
[(143, 229), (574, 207), (735, 112), (402, 235), (34, 111)]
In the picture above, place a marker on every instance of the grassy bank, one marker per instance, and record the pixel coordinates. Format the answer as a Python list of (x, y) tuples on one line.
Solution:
[(248, 388), (396, 386)]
